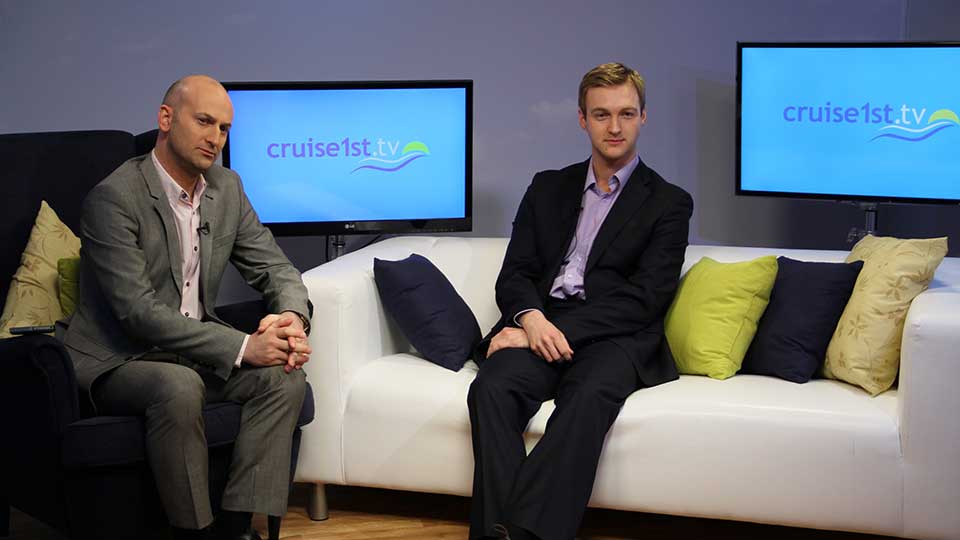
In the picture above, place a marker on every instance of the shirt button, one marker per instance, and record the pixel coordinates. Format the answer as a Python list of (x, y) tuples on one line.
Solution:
[(186, 313), (188, 284)]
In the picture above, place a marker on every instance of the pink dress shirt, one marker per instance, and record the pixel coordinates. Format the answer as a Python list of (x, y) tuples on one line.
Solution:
[(186, 212)]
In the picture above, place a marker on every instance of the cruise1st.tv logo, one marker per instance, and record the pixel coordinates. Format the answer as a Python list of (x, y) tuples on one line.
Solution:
[(905, 123), (376, 154)]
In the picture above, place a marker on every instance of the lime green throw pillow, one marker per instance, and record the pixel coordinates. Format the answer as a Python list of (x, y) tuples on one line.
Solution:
[(714, 316), (68, 284)]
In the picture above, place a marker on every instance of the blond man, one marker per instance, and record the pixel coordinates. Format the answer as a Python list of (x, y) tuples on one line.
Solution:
[(592, 265)]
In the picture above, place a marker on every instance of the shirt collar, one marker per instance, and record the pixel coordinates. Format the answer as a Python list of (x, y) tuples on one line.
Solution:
[(172, 188), (617, 181)]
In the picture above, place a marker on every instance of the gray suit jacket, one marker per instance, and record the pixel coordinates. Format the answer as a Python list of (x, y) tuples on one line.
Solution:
[(131, 273)]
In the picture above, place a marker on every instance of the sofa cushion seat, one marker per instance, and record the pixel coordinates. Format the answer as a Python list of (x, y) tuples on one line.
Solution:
[(406, 418), (119, 440)]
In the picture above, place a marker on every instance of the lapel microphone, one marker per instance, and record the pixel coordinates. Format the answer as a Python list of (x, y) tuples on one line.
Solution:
[(205, 228)]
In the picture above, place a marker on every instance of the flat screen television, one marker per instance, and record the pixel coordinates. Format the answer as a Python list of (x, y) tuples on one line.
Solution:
[(331, 158), (849, 121)]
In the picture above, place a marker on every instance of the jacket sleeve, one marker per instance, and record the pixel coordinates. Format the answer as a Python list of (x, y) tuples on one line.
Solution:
[(263, 265), (517, 284), (644, 297), (110, 231)]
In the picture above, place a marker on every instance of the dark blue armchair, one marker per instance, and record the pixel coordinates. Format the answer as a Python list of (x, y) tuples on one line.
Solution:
[(83, 474)]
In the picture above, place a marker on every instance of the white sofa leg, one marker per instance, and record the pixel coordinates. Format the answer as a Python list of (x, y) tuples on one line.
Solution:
[(317, 504)]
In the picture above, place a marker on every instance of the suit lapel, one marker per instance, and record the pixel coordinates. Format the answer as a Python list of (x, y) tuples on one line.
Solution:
[(571, 199), (208, 209), (635, 193), (569, 204), (162, 206)]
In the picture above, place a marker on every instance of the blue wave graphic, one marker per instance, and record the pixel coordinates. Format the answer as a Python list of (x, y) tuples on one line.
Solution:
[(917, 138), (389, 169)]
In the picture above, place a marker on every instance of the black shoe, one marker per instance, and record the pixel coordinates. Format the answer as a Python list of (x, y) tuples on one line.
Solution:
[(235, 526), (250, 534), (189, 534), (512, 532)]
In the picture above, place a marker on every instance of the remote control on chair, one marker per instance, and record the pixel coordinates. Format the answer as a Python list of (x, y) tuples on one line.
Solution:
[(29, 330)]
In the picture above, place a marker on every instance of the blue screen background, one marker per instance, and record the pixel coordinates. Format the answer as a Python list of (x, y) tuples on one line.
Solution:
[(332, 188), (848, 158)]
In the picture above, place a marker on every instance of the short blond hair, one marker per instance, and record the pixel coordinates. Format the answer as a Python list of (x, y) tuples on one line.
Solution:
[(611, 74)]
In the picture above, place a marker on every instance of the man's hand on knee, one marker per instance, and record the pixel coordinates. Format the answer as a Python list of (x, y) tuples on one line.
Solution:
[(279, 340), (508, 338), (287, 318), (545, 339), (299, 353), (297, 356)]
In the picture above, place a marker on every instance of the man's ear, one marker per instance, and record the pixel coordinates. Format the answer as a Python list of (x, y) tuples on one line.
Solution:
[(582, 118), (165, 118), (643, 116)]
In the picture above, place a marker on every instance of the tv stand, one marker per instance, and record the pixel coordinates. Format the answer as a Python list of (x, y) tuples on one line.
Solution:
[(870, 222), (339, 245)]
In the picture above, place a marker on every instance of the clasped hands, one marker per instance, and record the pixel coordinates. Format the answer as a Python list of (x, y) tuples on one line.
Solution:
[(279, 340), (537, 334)]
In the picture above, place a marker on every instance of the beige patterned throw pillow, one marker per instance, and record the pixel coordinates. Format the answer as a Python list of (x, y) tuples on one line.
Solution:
[(33, 298), (865, 348)]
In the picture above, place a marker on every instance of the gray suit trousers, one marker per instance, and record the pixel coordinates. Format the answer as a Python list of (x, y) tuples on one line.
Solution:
[(171, 396)]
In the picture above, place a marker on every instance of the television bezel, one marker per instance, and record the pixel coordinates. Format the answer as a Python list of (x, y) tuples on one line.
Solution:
[(320, 228), (824, 45)]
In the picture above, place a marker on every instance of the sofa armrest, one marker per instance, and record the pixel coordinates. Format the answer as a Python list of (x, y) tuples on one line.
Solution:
[(38, 383), (928, 404), (38, 399), (348, 330)]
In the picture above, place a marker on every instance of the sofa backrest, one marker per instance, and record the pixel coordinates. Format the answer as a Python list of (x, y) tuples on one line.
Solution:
[(472, 264), (59, 167), (737, 254)]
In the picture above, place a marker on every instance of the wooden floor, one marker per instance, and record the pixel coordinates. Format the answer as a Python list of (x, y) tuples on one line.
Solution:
[(375, 514)]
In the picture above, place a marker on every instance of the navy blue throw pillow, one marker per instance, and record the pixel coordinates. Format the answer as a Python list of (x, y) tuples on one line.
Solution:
[(428, 309), (805, 306)]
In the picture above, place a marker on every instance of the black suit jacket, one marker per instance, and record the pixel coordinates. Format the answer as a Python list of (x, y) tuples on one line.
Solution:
[(631, 273)]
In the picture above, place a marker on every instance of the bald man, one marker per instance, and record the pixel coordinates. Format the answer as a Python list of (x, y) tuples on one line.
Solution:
[(157, 235)]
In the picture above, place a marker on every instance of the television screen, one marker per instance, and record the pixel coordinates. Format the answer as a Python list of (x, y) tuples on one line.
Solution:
[(867, 122), (354, 157)]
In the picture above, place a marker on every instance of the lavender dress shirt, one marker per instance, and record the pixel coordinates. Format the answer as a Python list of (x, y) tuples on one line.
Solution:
[(595, 206)]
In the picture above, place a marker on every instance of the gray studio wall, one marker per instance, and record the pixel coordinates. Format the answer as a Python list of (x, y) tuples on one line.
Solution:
[(104, 65)]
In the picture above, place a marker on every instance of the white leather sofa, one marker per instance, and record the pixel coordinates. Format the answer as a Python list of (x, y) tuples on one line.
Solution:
[(822, 455)]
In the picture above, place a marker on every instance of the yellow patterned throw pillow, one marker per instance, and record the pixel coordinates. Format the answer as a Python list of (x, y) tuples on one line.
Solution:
[(33, 298), (865, 348)]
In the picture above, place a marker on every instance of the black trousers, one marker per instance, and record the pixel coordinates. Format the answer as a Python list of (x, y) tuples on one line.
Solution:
[(546, 492)]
